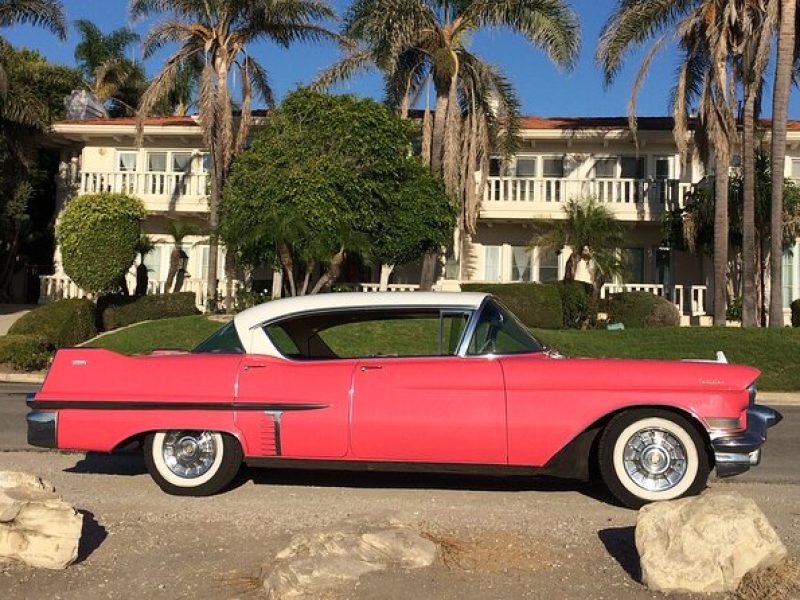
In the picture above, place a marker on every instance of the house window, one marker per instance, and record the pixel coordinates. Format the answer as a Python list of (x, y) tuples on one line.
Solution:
[(788, 277), (181, 162), (548, 265), (796, 168), (126, 161), (205, 161), (491, 263), (157, 162), (553, 166), (494, 167), (634, 263), (526, 167), (605, 168), (152, 260), (520, 263), (663, 167), (632, 167)]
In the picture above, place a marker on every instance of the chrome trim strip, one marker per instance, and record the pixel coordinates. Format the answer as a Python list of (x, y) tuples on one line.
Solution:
[(133, 405)]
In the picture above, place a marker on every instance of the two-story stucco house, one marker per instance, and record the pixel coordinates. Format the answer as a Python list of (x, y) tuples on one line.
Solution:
[(559, 159)]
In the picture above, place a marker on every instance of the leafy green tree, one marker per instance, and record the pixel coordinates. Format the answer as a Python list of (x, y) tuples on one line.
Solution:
[(423, 43), (99, 238), (329, 176), (592, 233), (220, 33)]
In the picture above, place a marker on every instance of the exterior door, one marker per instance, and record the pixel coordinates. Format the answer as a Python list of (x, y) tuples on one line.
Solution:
[(294, 409), (429, 409)]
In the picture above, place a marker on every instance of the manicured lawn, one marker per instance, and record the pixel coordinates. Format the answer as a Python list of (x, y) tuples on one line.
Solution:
[(182, 333), (776, 353)]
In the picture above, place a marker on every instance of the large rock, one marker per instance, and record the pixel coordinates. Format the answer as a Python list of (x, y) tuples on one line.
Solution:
[(704, 544), (36, 526), (315, 564)]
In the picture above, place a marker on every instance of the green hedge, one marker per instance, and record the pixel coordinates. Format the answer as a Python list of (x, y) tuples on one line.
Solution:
[(60, 324), (796, 313), (578, 304), (642, 309), (537, 305), (118, 311), (24, 352)]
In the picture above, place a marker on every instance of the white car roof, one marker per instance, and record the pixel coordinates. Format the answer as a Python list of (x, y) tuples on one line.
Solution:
[(256, 341)]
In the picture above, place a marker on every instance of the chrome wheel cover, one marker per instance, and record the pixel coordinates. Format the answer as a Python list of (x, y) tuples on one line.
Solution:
[(654, 459), (189, 454)]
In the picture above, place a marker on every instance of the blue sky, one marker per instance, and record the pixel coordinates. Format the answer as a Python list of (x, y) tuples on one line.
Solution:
[(543, 89)]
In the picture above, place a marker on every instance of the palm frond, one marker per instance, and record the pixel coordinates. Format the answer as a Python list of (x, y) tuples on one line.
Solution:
[(347, 67), (42, 13)]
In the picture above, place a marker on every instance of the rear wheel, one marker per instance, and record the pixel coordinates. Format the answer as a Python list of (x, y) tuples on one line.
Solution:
[(648, 455), (192, 463)]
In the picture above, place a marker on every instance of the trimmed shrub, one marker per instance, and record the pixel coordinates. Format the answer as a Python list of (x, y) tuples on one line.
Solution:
[(118, 311), (536, 305), (642, 309), (578, 304), (98, 235), (24, 352), (796, 313), (62, 323)]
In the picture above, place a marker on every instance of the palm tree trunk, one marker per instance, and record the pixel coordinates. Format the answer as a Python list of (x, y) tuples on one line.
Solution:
[(439, 125), (780, 109), (721, 177), (331, 274), (749, 316)]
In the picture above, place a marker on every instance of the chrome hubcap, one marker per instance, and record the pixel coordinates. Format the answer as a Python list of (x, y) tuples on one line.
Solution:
[(655, 460), (189, 454)]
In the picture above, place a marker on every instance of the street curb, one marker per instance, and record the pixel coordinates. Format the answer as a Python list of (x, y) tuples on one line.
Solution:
[(21, 378)]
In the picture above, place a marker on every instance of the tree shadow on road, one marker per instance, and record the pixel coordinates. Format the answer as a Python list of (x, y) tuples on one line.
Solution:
[(92, 535), (621, 545), (122, 463)]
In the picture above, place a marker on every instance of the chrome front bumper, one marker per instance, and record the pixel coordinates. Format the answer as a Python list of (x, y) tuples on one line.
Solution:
[(737, 453)]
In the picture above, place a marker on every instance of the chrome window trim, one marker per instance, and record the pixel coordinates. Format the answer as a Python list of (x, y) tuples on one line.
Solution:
[(473, 325)]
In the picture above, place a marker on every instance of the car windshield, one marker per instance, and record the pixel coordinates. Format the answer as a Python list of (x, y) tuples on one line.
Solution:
[(498, 331), (224, 341)]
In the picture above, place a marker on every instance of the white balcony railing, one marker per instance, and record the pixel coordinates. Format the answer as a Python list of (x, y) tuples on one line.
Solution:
[(542, 197), (160, 191), (60, 287), (693, 304)]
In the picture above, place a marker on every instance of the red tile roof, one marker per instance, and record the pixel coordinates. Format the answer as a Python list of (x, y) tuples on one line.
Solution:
[(182, 121)]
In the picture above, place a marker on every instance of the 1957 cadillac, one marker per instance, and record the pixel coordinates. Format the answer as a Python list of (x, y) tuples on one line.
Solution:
[(403, 381)]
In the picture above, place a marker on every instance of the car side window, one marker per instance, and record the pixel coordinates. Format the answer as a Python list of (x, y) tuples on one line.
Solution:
[(498, 331), (370, 333)]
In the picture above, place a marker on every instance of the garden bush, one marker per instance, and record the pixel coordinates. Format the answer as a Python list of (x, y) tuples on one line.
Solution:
[(642, 309), (796, 313), (117, 311), (578, 304), (537, 305), (62, 323), (24, 352), (98, 235)]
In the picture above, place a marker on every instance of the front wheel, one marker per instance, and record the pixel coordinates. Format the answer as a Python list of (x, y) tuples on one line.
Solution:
[(649, 455), (192, 463)]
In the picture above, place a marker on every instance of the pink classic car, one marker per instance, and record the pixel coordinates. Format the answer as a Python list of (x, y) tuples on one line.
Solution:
[(403, 381)]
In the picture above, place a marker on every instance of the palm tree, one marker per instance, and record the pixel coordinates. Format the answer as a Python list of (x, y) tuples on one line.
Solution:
[(44, 13), (758, 23), (419, 44), (593, 234), (709, 35), (219, 33), (101, 58), (780, 113), (178, 231), (144, 246)]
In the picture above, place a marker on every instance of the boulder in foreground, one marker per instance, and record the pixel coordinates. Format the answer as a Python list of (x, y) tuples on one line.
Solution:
[(36, 526), (704, 544)]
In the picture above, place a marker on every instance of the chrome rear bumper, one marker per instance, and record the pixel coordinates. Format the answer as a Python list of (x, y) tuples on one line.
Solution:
[(737, 453), (42, 427)]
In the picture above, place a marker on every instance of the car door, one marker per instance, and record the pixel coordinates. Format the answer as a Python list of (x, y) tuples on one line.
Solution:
[(445, 409), (294, 409)]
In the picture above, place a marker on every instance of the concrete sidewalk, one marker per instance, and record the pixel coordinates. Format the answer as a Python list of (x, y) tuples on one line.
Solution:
[(10, 313)]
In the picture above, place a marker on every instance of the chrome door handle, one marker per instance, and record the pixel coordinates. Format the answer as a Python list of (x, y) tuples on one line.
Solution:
[(370, 368)]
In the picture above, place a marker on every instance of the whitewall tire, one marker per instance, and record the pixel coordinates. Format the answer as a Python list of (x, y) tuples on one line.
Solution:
[(192, 463), (649, 455)]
